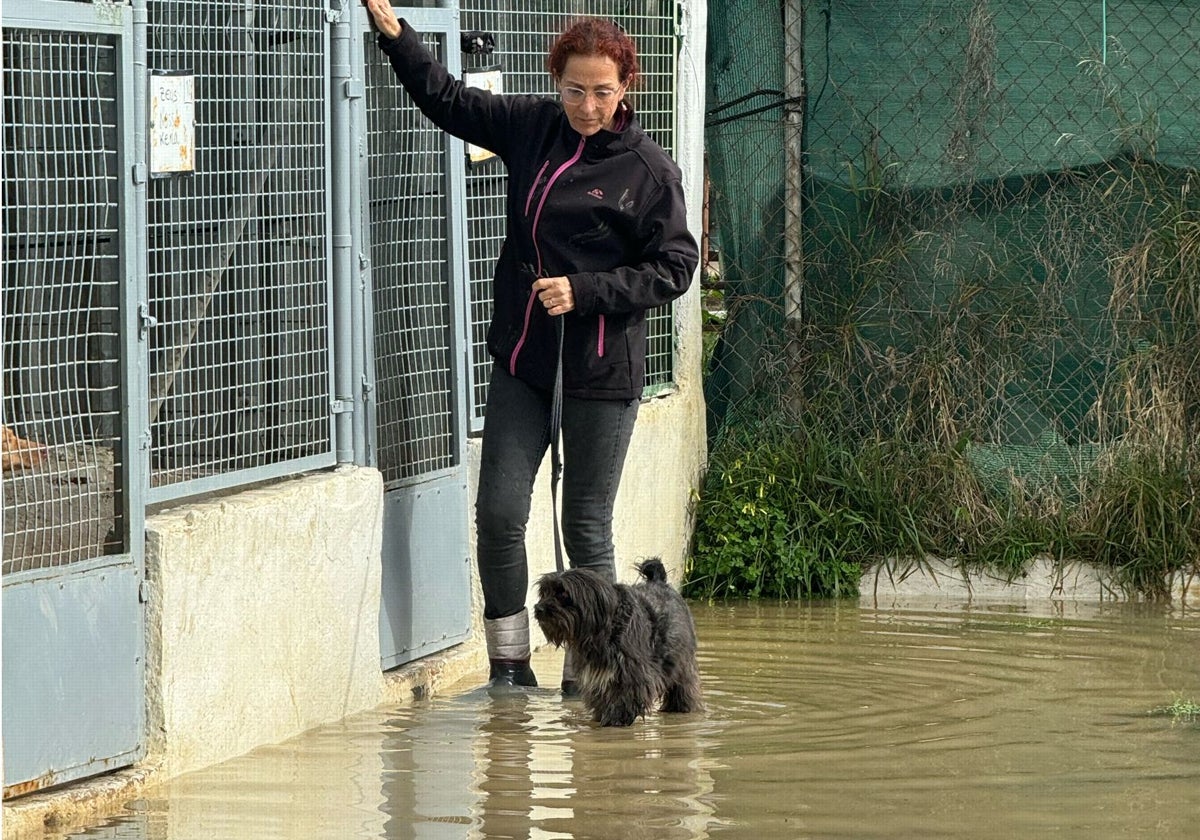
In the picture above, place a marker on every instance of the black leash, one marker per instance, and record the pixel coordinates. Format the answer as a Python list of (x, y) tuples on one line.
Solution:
[(556, 401)]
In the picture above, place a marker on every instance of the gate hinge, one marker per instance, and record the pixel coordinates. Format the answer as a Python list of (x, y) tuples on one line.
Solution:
[(354, 88), (139, 173), (682, 13), (144, 592), (146, 321), (341, 406)]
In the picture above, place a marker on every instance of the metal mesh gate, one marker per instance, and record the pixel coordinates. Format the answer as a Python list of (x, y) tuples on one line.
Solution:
[(73, 643), (523, 37), (239, 268), (61, 287), (411, 211), (410, 251)]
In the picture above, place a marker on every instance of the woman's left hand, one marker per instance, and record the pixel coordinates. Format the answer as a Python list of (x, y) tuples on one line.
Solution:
[(384, 17), (556, 294)]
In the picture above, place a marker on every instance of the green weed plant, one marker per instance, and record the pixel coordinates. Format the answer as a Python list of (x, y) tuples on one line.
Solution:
[(1181, 710)]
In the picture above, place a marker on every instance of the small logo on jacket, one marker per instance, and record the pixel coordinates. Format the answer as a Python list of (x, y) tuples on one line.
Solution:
[(596, 193)]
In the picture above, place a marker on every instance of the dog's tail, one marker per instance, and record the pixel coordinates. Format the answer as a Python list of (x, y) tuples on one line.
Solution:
[(653, 570)]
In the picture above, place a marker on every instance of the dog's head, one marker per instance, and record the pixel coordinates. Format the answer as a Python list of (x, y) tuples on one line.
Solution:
[(573, 605)]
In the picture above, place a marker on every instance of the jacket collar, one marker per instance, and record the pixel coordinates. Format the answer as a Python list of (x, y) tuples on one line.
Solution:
[(605, 143)]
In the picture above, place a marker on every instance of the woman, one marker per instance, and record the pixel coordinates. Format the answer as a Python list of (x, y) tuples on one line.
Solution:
[(596, 235)]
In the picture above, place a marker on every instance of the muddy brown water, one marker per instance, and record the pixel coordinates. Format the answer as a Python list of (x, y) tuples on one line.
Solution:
[(825, 720)]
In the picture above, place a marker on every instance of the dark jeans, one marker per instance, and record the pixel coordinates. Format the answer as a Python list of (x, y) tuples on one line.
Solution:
[(595, 438)]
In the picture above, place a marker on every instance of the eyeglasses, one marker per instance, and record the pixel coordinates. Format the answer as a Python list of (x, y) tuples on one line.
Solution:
[(575, 96)]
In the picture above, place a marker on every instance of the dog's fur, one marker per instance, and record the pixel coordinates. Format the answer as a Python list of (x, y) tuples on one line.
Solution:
[(632, 645), (16, 452)]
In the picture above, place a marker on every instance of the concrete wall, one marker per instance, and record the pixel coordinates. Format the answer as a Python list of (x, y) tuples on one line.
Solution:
[(264, 616)]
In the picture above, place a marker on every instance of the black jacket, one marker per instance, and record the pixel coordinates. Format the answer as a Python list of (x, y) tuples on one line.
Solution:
[(606, 211)]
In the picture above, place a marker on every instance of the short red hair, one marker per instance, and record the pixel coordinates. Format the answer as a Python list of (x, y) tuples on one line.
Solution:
[(595, 36)]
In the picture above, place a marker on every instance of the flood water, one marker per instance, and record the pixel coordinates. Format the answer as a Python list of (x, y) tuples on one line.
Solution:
[(825, 720)]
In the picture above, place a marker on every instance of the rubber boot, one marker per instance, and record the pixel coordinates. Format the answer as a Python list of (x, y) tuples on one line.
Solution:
[(570, 683), (508, 652)]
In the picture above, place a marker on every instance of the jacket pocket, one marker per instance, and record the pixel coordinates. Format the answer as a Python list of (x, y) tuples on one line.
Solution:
[(596, 355)]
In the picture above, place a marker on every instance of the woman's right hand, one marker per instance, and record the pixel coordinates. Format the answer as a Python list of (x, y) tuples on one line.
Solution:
[(385, 19)]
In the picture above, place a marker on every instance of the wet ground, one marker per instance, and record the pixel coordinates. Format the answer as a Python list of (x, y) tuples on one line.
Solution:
[(825, 720)]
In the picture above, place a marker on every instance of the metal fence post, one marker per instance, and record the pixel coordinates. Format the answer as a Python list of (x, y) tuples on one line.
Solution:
[(793, 127), (348, 401), (136, 436)]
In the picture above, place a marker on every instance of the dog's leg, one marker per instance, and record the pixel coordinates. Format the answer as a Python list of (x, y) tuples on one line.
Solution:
[(623, 711), (570, 678), (683, 694), (608, 702), (682, 697), (619, 697)]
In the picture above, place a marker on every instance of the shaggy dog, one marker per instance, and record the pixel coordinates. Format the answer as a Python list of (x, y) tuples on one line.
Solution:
[(632, 645)]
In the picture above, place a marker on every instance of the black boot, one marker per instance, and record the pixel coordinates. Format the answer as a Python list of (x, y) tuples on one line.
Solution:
[(507, 673), (508, 652)]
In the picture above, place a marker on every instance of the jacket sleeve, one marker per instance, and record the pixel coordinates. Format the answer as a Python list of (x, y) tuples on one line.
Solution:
[(669, 258), (472, 114)]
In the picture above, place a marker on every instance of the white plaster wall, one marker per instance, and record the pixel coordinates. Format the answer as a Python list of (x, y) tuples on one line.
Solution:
[(264, 615)]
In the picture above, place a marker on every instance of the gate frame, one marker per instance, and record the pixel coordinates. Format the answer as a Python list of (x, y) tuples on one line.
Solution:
[(33, 591), (441, 496)]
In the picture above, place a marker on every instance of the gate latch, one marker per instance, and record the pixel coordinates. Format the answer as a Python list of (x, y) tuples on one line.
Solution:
[(478, 43)]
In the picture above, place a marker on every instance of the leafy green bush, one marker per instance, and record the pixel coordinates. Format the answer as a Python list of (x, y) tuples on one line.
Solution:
[(1141, 522), (786, 511), (798, 515)]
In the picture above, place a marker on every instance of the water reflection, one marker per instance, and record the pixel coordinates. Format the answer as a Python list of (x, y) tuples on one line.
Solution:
[(824, 721), (534, 767)]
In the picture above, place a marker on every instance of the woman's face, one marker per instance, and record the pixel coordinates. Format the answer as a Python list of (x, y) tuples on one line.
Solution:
[(591, 90)]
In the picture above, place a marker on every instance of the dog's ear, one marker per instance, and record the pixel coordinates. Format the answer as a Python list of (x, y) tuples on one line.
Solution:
[(557, 589)]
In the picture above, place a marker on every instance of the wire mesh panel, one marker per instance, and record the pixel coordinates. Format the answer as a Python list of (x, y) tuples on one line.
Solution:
[(408, 223), (524, 34), (62, 276), (974, 171), (239, 261), (999, 252)]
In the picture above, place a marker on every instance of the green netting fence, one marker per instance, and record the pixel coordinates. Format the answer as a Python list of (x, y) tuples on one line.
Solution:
[(969, 229)]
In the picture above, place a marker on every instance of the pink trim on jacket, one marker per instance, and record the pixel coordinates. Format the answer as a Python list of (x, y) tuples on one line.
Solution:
[(512, 361)]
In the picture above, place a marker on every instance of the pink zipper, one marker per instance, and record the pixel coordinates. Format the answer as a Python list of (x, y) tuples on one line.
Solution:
[(541, 203), (529, 198), (600, 339), (512, 361)]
